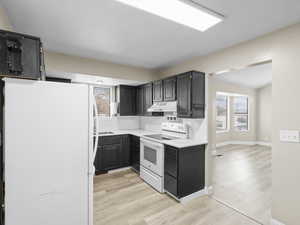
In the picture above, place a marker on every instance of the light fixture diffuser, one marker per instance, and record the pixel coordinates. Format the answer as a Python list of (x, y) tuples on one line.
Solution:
[(183, 12)]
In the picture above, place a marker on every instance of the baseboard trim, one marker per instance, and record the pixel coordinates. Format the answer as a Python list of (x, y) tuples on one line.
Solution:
[(119, 170), (203, 192), (276, 222), (243, 143)]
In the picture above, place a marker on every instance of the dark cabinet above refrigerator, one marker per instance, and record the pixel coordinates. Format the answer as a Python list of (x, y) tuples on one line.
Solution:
[(20, 55)]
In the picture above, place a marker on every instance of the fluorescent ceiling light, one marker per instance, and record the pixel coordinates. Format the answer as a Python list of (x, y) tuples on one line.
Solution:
[(184, 12)]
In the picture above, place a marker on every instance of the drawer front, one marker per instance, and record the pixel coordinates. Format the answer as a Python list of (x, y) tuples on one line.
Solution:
[(170, 184), (110, 140), (152, 179), (171, 161)]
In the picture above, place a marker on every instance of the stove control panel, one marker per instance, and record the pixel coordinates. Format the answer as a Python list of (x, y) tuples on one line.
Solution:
[(175, 127)]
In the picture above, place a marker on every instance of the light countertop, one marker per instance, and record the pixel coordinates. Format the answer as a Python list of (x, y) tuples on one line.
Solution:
[(178, 143)]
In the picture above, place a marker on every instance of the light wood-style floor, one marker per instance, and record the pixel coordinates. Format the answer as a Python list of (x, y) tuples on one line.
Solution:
[(242, 179), (122, 198)]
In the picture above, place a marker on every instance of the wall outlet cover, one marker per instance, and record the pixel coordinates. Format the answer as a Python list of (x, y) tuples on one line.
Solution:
[(292, 136)]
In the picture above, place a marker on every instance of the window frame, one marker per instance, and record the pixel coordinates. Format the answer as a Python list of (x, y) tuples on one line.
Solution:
[(234, 115), (228, 125)]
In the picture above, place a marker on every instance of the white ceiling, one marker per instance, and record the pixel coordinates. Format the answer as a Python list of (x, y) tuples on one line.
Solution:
[(109, 30), (252, 77)]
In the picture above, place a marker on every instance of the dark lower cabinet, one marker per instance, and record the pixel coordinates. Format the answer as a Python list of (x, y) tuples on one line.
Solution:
[(117, 151), (184, 170), (111, 157), (113, 153), (135, 152)]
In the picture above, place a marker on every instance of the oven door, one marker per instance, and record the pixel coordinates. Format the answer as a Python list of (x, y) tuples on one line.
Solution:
[(152, 156)]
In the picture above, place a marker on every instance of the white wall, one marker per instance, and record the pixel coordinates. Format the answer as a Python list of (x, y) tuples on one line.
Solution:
[(264, 114), (232, 134)]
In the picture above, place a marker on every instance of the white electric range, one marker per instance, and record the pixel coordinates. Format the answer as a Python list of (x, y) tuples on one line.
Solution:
[(152, 152)]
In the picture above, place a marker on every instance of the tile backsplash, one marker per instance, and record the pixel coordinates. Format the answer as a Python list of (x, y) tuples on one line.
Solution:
[(119, 123), (197, 127)]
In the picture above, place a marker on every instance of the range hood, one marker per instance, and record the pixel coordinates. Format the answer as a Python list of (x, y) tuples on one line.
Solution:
[(163, 107)]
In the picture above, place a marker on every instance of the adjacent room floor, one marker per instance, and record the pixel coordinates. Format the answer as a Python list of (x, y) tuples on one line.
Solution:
[(122, 198), (242, 179)]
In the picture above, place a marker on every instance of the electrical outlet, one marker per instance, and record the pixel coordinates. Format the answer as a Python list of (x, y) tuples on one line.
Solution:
[(290, 136)]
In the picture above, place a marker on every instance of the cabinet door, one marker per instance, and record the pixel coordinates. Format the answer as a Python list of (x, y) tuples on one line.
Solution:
[(140, 101), (198, 95), (125, 151), (135, 152), (97, 162), (127, 100), (184, 95), (31, 57), (111, 156), (158, 91), (147, 98), (169, 87), (171, 161)]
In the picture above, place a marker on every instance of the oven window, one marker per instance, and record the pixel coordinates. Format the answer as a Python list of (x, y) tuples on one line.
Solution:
[(150, 155)]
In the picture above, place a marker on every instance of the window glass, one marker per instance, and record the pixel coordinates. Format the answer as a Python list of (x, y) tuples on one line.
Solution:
[(222, 112), (241, 117), (102, 96)]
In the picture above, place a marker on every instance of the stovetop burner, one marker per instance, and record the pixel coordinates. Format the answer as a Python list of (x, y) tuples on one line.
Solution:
[(161, 137)]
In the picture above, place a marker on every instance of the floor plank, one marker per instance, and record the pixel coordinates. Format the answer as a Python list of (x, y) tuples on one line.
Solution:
[(122, 198), (242, 179)]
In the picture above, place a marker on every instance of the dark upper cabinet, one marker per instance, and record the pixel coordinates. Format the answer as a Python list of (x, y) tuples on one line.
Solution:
[(191, 95), (147, 98), (140, 101), (184, 95), (184, 170), (20, 55), (169, 89), (127, 100), (158, 91)]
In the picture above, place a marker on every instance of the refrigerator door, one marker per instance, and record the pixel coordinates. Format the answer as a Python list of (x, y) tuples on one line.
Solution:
[(48, 153)]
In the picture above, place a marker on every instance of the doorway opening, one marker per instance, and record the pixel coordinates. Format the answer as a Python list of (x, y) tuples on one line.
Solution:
[(242, 159)]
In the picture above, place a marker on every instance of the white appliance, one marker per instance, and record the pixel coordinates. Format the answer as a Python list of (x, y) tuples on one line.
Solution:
[(152, 153), (48, 153)]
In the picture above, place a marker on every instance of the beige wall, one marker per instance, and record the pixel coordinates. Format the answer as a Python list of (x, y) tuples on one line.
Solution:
[(232, 134), (57, 62), (4, 22), (283, 47), (264, 114)]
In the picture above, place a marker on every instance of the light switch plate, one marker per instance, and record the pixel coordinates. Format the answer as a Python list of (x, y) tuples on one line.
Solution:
[(290, 136)]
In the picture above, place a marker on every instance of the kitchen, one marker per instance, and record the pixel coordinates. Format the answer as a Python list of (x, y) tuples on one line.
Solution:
[(151, 151), (107, 109)]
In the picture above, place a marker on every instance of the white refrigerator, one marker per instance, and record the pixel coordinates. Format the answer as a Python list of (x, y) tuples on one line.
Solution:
[(48, 153)]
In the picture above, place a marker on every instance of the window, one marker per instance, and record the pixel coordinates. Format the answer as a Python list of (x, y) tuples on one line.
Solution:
[(102, 96), (222, 113), (240, 113)]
